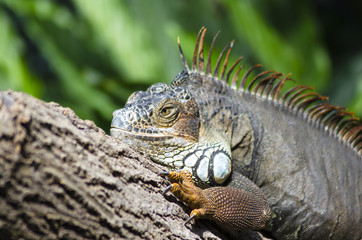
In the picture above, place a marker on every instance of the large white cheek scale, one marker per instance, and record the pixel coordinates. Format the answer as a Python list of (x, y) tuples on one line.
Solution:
[(222, 167)]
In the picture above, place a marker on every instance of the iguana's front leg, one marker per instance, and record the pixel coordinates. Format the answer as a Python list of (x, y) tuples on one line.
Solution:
[(234, 208)]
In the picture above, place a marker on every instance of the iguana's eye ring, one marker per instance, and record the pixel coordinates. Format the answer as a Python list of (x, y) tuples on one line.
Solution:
[(168, 113)]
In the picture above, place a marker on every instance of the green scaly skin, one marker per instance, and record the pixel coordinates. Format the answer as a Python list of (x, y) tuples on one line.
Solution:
[(300, 155)]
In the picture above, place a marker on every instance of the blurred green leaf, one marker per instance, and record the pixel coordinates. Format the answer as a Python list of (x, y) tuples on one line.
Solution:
[(14, 73), (278, 53), (91, 55)]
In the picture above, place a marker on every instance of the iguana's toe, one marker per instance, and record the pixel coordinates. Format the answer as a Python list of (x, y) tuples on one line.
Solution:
[(184, 189)]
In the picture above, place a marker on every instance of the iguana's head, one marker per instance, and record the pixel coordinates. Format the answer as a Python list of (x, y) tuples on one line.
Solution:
[(158, 121), (165, 123)]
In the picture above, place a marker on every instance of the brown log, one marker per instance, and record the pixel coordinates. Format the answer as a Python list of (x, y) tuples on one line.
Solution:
[(64, 178)]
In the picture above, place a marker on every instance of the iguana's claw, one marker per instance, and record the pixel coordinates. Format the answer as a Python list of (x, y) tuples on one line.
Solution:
[(192, 216), (164, 173), (166, 190)]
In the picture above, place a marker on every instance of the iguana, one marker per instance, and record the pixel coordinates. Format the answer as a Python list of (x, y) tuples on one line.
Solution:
[(289, 163)]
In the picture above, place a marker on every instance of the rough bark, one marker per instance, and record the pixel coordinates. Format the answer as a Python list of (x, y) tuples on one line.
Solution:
[(64, 178)]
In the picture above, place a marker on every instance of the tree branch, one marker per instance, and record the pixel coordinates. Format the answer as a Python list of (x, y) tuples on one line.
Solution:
[(63, 178)]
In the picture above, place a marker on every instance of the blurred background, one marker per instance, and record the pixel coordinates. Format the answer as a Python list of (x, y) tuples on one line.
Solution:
[(90, 55)]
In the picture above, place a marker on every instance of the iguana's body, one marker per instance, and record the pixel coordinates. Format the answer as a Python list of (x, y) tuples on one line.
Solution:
[(302, 153)]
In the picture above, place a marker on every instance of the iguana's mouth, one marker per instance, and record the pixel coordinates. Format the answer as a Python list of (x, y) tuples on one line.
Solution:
[(124, 134)]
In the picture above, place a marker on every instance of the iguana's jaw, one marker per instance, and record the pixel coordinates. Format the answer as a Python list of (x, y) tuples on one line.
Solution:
[(160, 147), (208, 160)]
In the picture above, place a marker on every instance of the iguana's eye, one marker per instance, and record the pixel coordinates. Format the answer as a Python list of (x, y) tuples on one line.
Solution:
[(167, 112)]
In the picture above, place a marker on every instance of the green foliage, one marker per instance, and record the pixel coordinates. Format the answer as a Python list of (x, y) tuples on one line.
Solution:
[(90, 55)]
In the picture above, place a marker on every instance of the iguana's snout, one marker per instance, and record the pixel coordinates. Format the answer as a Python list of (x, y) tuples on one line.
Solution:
[(121, 120)]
